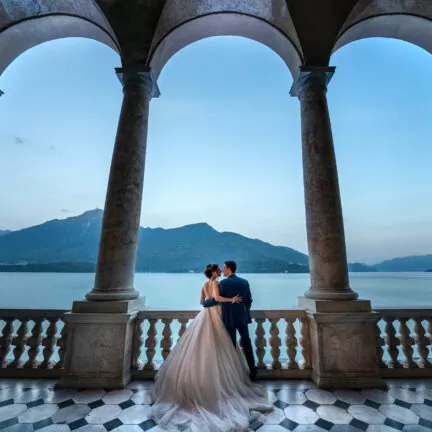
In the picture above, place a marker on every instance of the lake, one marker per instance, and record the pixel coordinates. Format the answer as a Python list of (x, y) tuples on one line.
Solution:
[(182, 291)]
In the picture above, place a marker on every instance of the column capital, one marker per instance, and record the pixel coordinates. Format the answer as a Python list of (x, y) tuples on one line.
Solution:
[(139, 74), (311, 74)]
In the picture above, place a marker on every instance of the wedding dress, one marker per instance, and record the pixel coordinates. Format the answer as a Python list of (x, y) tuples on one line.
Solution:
[(204, 384)]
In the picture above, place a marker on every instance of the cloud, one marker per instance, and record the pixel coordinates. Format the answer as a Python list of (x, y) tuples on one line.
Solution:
[(63, 210)]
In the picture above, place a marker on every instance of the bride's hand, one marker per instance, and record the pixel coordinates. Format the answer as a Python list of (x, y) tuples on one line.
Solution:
[(237, 299)]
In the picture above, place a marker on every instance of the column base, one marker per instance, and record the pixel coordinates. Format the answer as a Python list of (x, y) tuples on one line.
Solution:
[(343, 344), (100, 344)]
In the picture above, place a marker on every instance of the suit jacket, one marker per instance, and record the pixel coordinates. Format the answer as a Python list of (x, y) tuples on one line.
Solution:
[(234, 314)]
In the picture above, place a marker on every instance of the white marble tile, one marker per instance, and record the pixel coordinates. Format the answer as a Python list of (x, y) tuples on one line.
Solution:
[(350, 396), (140, 385), (366, 414), (271, 396), (406, 395), (55, 428), (380, 428), (58, 396), (268, 428), (10, 411), (70, 413), (117, 396), (400, 414), (290, 385), (334, 414), (378, 396), (142, 397), (424, 411), (416, 428), (131, 428), (321, 397), (275, 417), (88, 396), (292, 397), (103, 414), (301, 414), (309, 428), (41, 412), (92, 428), (32, 395), (344, 428), (135, 415), (20, 427)]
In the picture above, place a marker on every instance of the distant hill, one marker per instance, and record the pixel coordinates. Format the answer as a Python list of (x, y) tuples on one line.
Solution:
[(189, 248), (360, 268), (4, 232), (419, 263)]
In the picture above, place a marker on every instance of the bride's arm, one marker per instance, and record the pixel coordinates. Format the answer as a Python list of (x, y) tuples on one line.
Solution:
[(202, 296), (221, 299)]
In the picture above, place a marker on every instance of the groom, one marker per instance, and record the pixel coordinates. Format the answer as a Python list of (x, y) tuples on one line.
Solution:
[(236, 316)]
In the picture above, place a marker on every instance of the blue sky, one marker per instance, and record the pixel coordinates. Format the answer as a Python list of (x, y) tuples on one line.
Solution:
[(224, 141)]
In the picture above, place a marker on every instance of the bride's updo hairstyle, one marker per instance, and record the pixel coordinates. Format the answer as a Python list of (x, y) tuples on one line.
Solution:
[(210, 268)]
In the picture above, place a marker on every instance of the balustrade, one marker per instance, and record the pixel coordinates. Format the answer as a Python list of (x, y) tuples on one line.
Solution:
[(404, 342), (30, 343)]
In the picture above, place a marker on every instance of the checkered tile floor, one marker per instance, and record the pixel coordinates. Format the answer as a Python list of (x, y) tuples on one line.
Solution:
[(30, 405)]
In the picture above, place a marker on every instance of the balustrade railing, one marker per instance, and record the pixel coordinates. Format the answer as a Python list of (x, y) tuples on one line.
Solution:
[(32, 343), (404, 342), (280, 338)]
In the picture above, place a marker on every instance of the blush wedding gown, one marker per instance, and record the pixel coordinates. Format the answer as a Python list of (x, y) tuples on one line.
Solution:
[(204, 384)]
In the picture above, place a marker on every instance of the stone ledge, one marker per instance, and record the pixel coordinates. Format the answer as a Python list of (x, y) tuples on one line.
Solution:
[(335, 306), (109, 307)]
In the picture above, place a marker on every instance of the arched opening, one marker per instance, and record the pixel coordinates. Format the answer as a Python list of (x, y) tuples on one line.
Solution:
[(20, 37), (225, 24), (380, 101), (409, 28)]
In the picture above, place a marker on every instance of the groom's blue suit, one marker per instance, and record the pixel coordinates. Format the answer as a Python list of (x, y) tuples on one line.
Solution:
[(236, 316)]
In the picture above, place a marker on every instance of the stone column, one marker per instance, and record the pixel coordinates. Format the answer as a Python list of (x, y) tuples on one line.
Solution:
[(100, 329), (118, 245), (342, 328)]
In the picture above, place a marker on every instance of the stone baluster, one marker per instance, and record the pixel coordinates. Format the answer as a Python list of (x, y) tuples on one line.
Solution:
[(138, 344), (183, 326), (422, 343), (392, 343), (305, 343), (6, 341), (34, 343), (260, 343), (379, 346), (61, 343), (291, 344), (166, 342), (49, 343), (406, 342), (150, 344), (20, 343), (275, 343)]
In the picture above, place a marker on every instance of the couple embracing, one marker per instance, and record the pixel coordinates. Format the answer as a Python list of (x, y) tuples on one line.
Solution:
[(206, 384)]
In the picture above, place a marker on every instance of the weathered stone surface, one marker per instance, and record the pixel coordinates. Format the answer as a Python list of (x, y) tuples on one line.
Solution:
[(324, 220)]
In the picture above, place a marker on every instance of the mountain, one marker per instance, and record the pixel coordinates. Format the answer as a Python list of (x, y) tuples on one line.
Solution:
[(4, 232), (419, 263), (189, 248), (360, 268)]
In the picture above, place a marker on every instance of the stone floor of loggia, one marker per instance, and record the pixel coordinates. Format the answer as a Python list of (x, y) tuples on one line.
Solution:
[(30, 405)]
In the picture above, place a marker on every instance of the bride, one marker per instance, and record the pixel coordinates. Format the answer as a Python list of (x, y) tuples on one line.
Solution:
[(204, 383)]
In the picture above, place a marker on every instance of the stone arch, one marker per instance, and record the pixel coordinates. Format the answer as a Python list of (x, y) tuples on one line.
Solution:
[(20, 36), (409, 28), (265, 21)]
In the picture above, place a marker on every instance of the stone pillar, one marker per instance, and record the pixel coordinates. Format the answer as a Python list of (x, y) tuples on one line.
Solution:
[(342, 328), (100, 329)]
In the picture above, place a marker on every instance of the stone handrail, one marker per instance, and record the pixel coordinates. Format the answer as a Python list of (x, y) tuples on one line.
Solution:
[(32, 342), (281, 342), (404, 338)]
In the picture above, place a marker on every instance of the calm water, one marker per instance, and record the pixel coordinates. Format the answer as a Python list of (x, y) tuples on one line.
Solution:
[(182, 291)]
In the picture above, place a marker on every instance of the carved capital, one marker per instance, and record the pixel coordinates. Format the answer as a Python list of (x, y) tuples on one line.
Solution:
[(317, 75), (142, 75)]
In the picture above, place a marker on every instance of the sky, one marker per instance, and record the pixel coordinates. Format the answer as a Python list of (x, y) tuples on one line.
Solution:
[(224, 144)]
